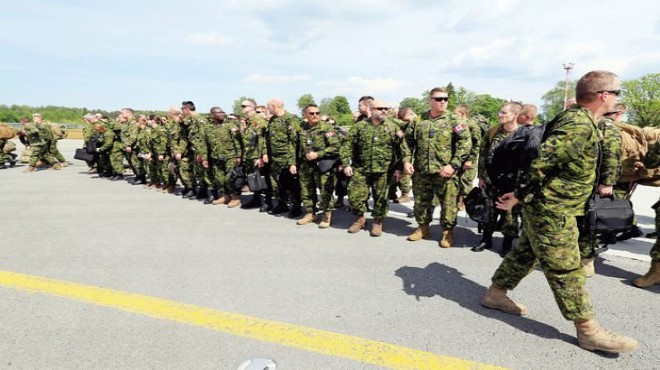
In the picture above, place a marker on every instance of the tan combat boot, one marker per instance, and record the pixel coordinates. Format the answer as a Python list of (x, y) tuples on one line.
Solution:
[(592, 337), (496, 299), (357, 225), (224, 199), (234, 202), (588, 267), (308, 218), (64, 164), (377, 227), (404, 198), (447, 240), (56, 166), (422, 232), (651, 278), (325, 222), (30, 169)]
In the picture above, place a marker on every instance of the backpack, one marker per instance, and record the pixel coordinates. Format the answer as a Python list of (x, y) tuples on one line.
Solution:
[(59, 132), (514, 153), (479, 206), (9, 147), (6, 131), (640, 145)]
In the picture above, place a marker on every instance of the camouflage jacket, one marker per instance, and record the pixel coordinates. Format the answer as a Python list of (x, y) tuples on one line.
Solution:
[(475, 139), (129, 135), (320, 138), (254, 139), (436, 142), (563, 176), (281, 139), (488, 147), (189, 135), (223, 141), (157, 140), (35, 134), (106, 140), (610, 161), (372, 148), (142, 141)]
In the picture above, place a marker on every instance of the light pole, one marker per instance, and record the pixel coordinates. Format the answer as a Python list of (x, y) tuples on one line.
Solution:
[(567, 67)]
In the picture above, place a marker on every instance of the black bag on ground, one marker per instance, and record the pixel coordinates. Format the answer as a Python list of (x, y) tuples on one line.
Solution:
[(608, 215), (83, 155), (236, 177), (326, 164), (479, 206), (256, 181)]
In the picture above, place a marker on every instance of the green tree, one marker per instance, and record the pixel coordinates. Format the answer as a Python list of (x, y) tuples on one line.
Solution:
[(305, 100), (487, 106), (236, 107), (418, 105), (642, 98), (335, 107), (553, 100)]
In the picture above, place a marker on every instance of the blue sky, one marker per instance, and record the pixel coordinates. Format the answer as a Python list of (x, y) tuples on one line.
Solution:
[(153, 54)]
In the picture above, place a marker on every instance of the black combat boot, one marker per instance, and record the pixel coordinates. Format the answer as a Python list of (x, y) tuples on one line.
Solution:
[(507, 245), (267, 206), (187, 193), (281, 208), (485, 243), (213, 195), (202, 193), (296, 210), (254, 202)]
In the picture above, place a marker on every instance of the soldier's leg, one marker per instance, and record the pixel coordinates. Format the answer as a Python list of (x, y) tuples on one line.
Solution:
[(186, 172), (423, 189), (117, 158), (448, 202), (55, 153), (326, 186), (274, 174), (358, 192), (307, 186), (516, 265), (380, 184), (466, 181)]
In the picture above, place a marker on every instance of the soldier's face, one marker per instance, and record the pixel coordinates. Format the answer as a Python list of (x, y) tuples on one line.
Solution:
[(218, 115), (505, 115), (313, 115), (37, 119), (439, 102)]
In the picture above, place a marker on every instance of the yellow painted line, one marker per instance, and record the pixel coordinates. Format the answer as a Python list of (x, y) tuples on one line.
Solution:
[(325, 342)]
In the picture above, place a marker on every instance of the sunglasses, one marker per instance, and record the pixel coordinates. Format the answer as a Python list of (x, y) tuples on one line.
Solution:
[(381, 108), (245, 105), (313, 113), (259, 111), (615, 92), (443, 98)]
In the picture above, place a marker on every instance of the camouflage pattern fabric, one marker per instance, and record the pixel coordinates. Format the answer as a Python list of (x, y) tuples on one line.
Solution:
[(428, 187), (610, 164), (655, 250), (281, 147), (223, 149), (358, 193)]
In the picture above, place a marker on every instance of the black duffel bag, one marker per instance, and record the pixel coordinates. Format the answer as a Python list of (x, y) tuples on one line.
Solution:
[(479, 206), (256, 181), (608, 215), (82, 155), (236, 177), (324, 165)]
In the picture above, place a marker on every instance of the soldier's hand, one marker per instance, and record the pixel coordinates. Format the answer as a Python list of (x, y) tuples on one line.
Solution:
[(605, 190), (198, 159), (348, 171), (259, 163), (482, 183), (467, 165), (177, 156), (265, 158), (506, 202), (447, 171), (397, 175), (205, 164), (408, 168), (129, 149), (293, 169), (161, 157)]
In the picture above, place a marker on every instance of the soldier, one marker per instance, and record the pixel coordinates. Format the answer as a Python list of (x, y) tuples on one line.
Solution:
[(608, 171), (468, 171), (508, 118), (254, 144), (106, 138), (652, 277), (156, 152), (317, 140), (434, 150), (527, 115), (134, 136), (38, 135), (141, 149), (184, 150), (370, 155), (283, 129), (557, 186), (222, 152), (405, 119)]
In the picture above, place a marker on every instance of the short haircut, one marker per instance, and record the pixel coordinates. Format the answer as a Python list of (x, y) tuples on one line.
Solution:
[(262, 107), (188, 104), (89, 116), (251, 101), (403, 112), (366, 97), (516, 107), (36, 115), (463, 109), (129, 110), (312, 105), (588, 85), (620, 107), (529, 110), (216, 108), (439, 90)]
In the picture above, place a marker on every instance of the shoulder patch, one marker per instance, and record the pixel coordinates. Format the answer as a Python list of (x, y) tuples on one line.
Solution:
[(329, 134), (459, 128)]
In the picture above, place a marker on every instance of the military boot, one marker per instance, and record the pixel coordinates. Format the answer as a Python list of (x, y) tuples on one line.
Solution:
[(404, 198), (422, 232), (485, 243), (281, 208), (447, 240), (496, 299), (186, 193), (234, 202), (56, 166), (592, 337), (507, 245), (651, 278), (357, 225), (325, 222), (213, 195), (30, 169), (588, 267), (2, 166), (339, 203), (296, 210), (202, 193), (268, 205), (223, 199), (308, 218), (377, 227)]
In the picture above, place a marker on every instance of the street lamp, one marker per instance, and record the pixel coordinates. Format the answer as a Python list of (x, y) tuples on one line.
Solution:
[(567, 67)]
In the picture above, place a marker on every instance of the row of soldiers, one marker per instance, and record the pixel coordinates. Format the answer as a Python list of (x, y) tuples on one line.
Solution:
[(41, 138)]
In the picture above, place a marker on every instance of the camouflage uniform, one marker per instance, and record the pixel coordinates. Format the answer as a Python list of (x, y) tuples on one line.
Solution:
[(39, 136), (157, 141), (655, 250), (129, 139), (196, 135), (433, 143), (183, 145), (52, 144), (508, 219), (466, 177), (104, 145), (405, 182), (322, 139), (223, 149), (281, 146), (373, 151), (609, 171), (117, 151), (556, 189), (142, 143)]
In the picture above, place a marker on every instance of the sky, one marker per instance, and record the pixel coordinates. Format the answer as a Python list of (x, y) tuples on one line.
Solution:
[(151, 55)]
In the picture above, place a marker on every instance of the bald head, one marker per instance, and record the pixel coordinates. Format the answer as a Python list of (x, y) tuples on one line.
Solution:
[(276, 106)]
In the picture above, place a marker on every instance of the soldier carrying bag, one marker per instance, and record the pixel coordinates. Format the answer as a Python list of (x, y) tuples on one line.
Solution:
[(82, 155), (324, 165), (256, 181), (479, 206), (608, 215)]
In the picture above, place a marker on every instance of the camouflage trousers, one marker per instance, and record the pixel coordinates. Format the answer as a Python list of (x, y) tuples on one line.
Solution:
[(283, 185), (203, 177), (551, 240), (404, 184), (310, 180), (157, 170), (41, 152), (220, 179), (426, 187), (186, 171), (466, 180), (655, 251), (507, 220), (52, 148), (358, 192), (117, 157), (3, 156), (138, 165)]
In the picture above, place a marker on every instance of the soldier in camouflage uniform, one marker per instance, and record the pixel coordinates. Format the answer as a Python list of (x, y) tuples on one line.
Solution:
[(106, 138), (317, 140), (39, 136), (141, 149), (468, 171), (222, 152), (370, 156), (117, 152), (283, 129), (434, 150), (156, 152), (254, 144), (131, 143), (173, 129), (405, 119), (184, 150), (555, 189), (508, 118), (609, 171)]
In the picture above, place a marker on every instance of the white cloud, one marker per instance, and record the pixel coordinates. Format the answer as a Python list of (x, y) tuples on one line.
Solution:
[(212, 38), (375, 86), (275, 79)]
